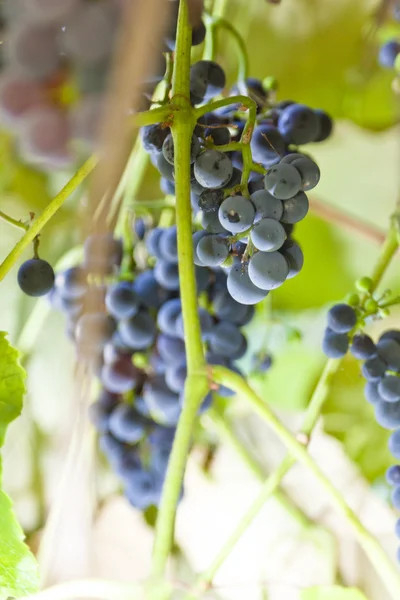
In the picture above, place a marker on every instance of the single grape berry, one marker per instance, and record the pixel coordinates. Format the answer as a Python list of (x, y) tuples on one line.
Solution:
[(35, 277), (268, 270), (210, 200), (236, 214), (389, 352), (268, 235), (283, 181), (295, 209), (121, 300), (212, 250), (342, 318), (388, 414), (335, 345), (362, 347), (241, 288), (388, 53), (373, 369), (389, 388), (393, 475), (371, 392), (213, 169)]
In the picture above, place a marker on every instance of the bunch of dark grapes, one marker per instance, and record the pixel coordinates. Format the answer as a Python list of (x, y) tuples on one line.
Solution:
[(133, 339), (248, 234), (381, 369), (56, 57)]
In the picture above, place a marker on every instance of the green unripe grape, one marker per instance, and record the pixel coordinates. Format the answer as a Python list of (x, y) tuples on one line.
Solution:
[(270, 84), (294, 335), (364, 284), (384, 312), (371, 305), (353, 299)]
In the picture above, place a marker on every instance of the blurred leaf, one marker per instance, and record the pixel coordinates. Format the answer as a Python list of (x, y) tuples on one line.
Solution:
[(332, 593), (349, 418), (18, 568)]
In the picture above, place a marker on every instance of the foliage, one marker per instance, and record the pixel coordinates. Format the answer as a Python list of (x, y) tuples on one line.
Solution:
[(332, 593)]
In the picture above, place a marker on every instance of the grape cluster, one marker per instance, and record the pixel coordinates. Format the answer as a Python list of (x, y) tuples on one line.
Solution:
[(248, 234), (56, 57), (132, 336), (380, 368)]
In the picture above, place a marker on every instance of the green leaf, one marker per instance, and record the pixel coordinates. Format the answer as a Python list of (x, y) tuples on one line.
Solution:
[(332, 593), (18, 568), (349, 418)]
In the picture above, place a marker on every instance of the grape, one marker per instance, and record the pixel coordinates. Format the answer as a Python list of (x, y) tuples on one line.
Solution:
[(213, 169), (393, 475), (32, 49), (256, 183), (236, 214), (164, 404), (212, 250), (210, 200), (49, 10), (342, 318), (175, 377), (388, 53), (362, 347), (197, 236), (211, 222), (157, 364), (371, 392), (167, 274), (309, 171), (126, 425), (206, 323), (168, 247), (389, 352), (241, 288), (225, 339), (389, 388), (35, 277), (120, 376), (207, 79), (17, 96), (141, 490), (335, 345), (165, 168), (169, 151), (325, 125), (139, 331), (128, 464), (89, 32), (298, 124), (396, 497), (227, 309), (153, 241), (267, 207), (388, 414), (373, 369), (93, 330), (283, 181), (254, 89), (100, 410), (167, 316), (268, 235), (44, 134), (171, 349), (268, 270), (71, 283), (219, 135), (295, 209), (267, 145), (153, 137), (292, 156), (122, 301), (139, 227), (203, 279), (101, 252), (294, 257), (198, 34), (112, 448), (391, 334), (148, 290)]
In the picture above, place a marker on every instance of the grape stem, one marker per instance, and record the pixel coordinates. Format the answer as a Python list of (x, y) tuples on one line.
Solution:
[(196, 385), (382, 564), (13, 222), (47, 214)]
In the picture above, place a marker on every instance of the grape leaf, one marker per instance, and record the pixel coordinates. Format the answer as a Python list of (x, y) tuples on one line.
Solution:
[(332, 593), (18, 569)]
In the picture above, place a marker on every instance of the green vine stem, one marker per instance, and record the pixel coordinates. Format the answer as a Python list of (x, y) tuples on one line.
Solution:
[(13, 222), (387, 252), (215, 23), (196, 385), (46, 215), (224, 428), (386, 568)]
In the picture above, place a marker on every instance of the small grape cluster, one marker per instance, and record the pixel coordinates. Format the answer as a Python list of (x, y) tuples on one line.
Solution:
[(246, 221), (132, 336), (380, 368), (56, 58)]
